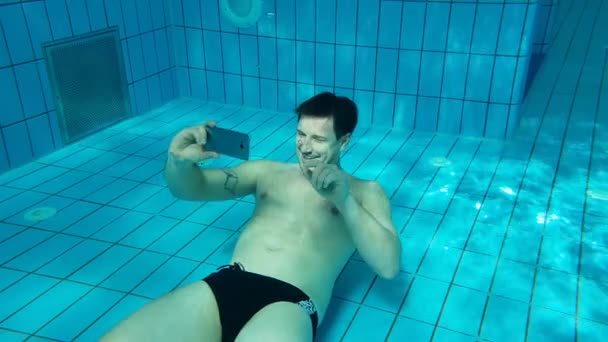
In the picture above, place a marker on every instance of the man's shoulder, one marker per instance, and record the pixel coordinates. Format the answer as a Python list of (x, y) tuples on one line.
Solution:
[(363, 183), (367, 189), (266, 167), (265, 163)]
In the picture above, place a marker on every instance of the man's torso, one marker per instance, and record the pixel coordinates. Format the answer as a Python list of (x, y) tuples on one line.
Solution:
[(295, 235)]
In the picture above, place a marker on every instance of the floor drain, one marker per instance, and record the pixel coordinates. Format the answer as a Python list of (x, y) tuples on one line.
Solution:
[(39, 214), (440, 161)]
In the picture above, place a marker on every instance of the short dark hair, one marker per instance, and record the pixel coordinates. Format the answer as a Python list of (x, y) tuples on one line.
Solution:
[(343, 110)]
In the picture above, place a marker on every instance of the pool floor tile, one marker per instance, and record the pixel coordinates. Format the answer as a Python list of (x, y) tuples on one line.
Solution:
[(463, 310), (550, 325), (406, 329), (504, 320), (424, 300), (369, 325)]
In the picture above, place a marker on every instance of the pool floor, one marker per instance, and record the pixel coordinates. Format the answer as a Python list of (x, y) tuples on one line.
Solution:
[(502, 241)]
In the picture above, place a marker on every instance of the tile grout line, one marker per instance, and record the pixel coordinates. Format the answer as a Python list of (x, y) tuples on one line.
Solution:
[(494, 62), (397, 61), (421, 51), (444, 57), (469, 54), (376, 53), (513, 86)]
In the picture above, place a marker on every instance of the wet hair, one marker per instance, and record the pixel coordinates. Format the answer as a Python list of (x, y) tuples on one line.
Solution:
[(343, 110)]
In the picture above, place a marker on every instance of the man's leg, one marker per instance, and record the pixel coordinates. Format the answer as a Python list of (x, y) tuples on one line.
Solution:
[(277, 322), (189, 313)]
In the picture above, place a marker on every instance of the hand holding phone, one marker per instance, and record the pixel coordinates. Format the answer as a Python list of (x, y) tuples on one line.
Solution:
[(187, 144)]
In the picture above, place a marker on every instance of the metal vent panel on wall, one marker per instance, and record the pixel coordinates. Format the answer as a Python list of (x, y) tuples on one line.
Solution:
[(88, 78)]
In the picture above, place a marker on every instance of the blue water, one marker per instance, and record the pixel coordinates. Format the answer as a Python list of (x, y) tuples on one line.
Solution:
[(503, 239)]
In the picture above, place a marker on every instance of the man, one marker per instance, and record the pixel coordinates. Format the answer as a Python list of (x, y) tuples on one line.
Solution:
[(309, 219)]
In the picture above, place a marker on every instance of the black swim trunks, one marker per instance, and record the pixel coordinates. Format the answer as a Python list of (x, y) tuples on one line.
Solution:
[(241, 294)]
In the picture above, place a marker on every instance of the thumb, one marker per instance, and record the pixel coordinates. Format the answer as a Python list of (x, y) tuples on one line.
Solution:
[(210, 155)]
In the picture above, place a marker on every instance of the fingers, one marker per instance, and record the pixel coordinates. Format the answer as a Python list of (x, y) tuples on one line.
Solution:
[(197, 154), (313, 177), (209, 155), (316, 172), (322, 177), (189, 143), (202, 130), (200, 133), (182, 140), (327, 178), (330, 178)]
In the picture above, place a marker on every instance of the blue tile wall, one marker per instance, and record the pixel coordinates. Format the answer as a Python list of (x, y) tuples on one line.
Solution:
[(28, 121), (549, 18), (426, 65), (453, 67), (551, 15)]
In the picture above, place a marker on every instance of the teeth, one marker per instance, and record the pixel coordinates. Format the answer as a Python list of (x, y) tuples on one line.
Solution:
[(310, 161)]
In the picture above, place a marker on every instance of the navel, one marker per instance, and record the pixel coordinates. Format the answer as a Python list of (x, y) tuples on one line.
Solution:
[(274, 248), (334, 210)]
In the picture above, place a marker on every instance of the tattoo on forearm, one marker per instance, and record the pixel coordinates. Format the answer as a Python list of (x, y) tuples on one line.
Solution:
[(232, 180)]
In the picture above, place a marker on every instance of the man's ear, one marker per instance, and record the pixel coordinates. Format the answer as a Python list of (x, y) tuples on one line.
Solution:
[(344, 141)]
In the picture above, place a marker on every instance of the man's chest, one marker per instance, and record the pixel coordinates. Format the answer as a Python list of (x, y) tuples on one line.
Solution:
[(294, 193)]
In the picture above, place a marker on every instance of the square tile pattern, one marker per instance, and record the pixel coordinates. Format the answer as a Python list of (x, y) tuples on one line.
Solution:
[(502, 240), (453, 67)]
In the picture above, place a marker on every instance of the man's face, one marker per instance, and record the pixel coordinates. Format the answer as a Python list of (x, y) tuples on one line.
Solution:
[(316, 143)]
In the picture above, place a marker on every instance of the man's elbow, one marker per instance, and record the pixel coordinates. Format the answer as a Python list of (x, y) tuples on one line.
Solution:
[(179, 189), (175, 191), (389, 273)]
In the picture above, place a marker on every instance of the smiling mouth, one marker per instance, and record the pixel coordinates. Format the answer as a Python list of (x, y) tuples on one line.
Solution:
[(310, 160), (310, 163)]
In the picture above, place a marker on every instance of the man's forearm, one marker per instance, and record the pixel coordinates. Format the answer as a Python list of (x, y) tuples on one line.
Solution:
[(379, 246), (181, 176)]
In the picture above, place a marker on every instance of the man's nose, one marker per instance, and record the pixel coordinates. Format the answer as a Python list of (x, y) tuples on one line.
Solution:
[(305, 148)]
